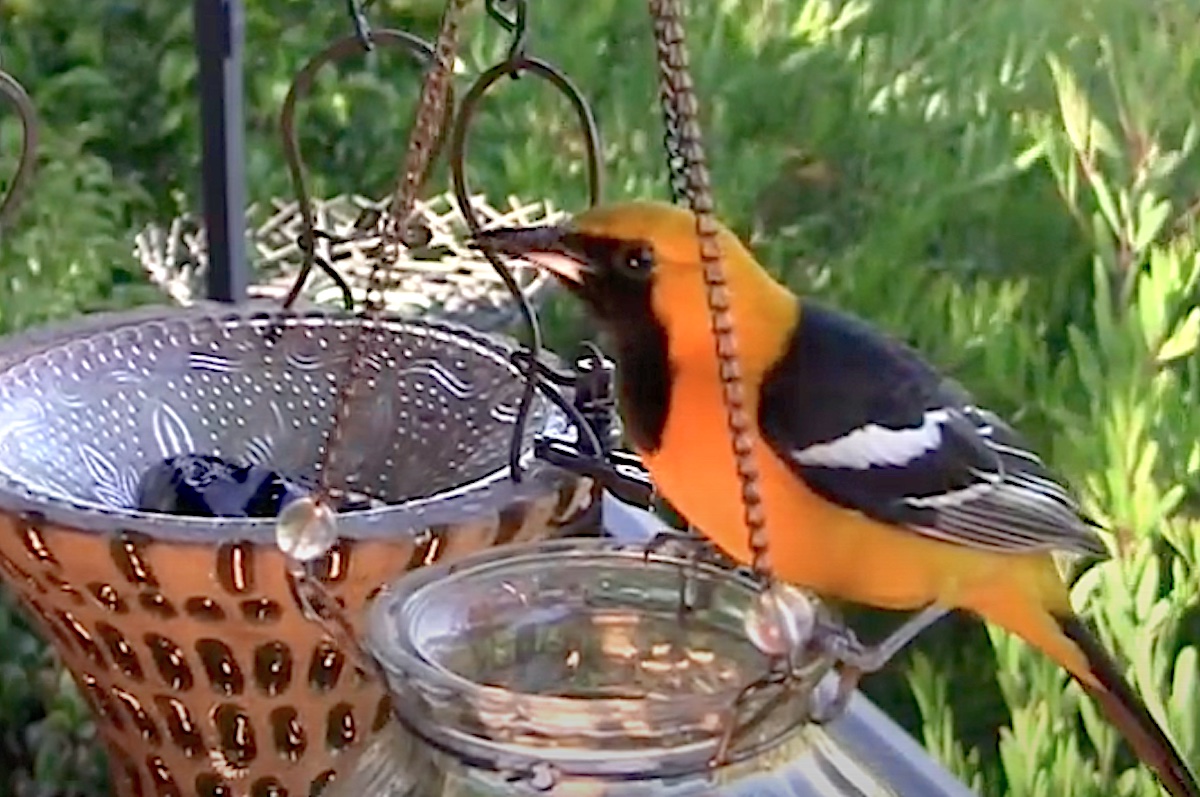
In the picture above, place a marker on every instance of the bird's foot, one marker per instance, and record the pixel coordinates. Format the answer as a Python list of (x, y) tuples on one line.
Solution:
[(853, 660), (684, 544), (840, 645), (873, 658), (831, 695), (812, 650)]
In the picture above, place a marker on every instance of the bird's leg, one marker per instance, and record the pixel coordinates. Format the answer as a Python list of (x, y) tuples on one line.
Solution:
[(854, 660), (873, 658)]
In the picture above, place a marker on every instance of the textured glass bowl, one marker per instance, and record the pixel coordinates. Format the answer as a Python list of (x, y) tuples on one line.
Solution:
[(82, 416), (183, 633)]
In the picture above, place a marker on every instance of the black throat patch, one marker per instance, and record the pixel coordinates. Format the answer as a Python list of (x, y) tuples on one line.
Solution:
[(621, 303), (643, 378)]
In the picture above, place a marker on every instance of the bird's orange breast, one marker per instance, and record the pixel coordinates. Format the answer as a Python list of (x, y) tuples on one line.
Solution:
[(834, 551)]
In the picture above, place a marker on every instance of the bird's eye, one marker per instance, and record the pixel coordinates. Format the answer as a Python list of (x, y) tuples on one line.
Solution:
[(639, 259)]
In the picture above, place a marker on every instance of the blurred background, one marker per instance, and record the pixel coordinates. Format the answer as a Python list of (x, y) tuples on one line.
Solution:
[(1010, 185)]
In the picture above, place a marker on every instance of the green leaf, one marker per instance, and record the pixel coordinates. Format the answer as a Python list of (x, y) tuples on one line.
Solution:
[(1183, 696), (1147, 589), (1073, 105), (1108, 205), (1183, 341), (1152, 214)]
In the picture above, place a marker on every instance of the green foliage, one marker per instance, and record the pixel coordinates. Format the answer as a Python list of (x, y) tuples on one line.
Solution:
[(47, 739), (1007, 184)]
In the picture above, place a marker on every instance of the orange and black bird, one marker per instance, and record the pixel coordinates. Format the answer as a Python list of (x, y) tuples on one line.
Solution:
[(883, 482)]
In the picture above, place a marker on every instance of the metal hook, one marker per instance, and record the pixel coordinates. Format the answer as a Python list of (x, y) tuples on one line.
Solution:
[(458, 157), (356, 10), (308, 246), (470, 103), (517, 25), (15, 94), (421, 50)]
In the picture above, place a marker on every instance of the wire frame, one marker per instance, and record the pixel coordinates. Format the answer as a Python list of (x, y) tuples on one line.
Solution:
[(443, 278)]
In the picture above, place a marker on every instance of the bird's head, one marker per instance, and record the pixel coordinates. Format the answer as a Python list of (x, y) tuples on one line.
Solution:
[(640, 261)]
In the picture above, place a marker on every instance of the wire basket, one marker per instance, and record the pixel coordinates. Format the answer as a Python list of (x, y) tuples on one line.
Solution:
[(443, 279), (182, 632)]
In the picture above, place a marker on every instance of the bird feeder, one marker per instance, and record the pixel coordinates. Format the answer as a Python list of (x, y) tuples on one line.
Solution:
[(214, 661), (184, 633), (567, 667)]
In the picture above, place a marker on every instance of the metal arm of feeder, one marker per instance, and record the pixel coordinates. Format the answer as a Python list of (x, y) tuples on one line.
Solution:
[(220, 38), (14, 93)]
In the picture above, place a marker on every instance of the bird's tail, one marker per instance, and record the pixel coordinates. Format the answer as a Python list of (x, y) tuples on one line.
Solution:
[(1066, 638), (1126, 710)]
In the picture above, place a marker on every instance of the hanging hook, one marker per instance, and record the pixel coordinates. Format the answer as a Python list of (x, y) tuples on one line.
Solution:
[(517, 24), (458, 158)]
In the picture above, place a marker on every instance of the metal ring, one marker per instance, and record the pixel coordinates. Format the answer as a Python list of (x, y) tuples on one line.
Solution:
[(341, 49), (16, 95), (458, 157)]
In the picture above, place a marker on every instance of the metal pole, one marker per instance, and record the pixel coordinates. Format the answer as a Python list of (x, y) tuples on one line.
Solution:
[(220, 37)]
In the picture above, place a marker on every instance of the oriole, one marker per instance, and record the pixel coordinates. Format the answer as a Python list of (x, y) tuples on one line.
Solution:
[(883, 483)]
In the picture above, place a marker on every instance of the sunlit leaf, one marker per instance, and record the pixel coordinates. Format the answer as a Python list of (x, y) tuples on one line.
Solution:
[(1183, 341), (1152, 215)]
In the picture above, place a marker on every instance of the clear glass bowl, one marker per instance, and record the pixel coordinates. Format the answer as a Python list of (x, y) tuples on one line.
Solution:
[(568, 668)]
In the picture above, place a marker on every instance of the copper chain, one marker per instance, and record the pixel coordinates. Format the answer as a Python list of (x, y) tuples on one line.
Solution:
[(426, 131), (690, 180), (431, 111)]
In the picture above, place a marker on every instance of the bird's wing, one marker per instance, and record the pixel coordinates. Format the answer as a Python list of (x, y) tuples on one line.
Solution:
[(869, 425)]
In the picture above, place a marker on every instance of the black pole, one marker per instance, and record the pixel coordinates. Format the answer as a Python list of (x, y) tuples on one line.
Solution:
[(220, 37)]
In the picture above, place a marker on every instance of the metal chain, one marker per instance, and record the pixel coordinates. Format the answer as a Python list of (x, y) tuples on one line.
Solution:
[(319, 606), (431, 109), (425, 134), (690, 180)]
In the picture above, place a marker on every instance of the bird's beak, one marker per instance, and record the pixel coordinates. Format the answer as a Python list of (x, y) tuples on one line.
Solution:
[(554, 248)]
